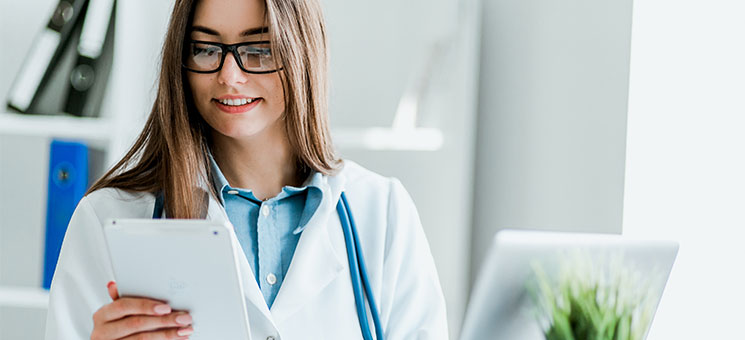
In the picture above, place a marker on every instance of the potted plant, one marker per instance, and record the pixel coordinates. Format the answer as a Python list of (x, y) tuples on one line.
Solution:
[(589, 301)]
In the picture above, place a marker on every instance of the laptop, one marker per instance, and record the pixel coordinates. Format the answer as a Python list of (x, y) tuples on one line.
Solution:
[(501, 304)]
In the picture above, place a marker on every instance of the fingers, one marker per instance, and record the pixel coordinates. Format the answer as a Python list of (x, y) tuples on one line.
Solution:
[(173, 333), (139, 318), (158, 327), (113, 292), (126, 306)]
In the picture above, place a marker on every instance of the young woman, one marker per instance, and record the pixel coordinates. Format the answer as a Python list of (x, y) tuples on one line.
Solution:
[(239, 133)]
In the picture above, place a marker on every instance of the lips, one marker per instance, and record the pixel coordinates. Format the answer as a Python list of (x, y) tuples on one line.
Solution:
[(237, 104)]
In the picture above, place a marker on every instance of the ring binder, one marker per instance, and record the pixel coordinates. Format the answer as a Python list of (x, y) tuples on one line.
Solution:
[(44, 55), (68, 181), (89, 70)]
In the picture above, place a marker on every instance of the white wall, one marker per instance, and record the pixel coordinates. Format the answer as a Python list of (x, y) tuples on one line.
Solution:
[(685, 170), (373, 61), (552, 117)]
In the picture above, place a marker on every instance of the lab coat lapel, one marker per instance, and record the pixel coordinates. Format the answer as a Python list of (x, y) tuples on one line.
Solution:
[(216, 212), (318, 258)]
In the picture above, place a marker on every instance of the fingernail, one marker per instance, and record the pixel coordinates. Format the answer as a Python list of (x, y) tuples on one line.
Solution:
[(185, 331), (184, 319), (108, 285), (162, 309)]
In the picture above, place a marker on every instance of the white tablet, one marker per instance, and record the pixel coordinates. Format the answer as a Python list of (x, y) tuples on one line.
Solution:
[(189, 264), (501, 307)]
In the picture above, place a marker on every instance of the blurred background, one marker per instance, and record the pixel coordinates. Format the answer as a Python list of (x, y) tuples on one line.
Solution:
[(575, 115)]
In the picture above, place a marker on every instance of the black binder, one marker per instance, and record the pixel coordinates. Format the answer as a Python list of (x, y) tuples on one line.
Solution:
[(44, 55), (89, 75)]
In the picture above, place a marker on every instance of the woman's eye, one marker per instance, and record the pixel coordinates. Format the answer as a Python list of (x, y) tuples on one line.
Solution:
[(255, 53), (205, 51), (259, 50)]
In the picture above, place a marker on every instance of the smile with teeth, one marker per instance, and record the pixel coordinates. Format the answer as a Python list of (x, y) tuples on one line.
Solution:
[(237, 102)]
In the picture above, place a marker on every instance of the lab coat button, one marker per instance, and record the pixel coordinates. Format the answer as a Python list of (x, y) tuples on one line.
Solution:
[(265, 210), (271, 278), (270, 338)]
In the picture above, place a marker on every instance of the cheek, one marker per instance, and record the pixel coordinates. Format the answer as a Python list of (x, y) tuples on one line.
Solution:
[(275, 95), (199, 87), (200, 92)]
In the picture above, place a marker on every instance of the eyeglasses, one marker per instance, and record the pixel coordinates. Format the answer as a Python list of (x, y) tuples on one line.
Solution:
[(208, 57)]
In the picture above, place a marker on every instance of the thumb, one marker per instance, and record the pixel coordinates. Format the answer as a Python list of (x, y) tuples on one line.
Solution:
[(113, 292)]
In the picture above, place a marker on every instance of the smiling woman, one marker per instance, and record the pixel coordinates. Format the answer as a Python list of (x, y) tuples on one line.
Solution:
[(288, 112), (220, 90), (238, 134)]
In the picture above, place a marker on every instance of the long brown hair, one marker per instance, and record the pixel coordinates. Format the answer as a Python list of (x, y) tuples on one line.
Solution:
[(170, 154)]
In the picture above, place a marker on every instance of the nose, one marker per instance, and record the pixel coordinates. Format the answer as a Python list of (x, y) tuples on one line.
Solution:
[(231, 73)]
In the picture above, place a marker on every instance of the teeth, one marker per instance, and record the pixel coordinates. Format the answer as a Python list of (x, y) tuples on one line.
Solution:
[(236, 102)]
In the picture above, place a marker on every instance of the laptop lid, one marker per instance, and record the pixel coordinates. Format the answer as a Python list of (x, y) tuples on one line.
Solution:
[(501, 306)]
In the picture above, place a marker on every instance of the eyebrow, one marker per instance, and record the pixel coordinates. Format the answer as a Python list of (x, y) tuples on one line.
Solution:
[(247, 32)]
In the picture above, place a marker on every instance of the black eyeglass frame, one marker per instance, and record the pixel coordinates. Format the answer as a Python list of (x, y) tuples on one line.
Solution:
[(226, 48)]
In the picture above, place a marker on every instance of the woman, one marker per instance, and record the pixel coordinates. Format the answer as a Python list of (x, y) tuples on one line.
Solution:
[(239, 132)]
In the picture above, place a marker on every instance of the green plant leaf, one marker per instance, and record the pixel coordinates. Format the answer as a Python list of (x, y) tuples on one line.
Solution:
[(588, 303)]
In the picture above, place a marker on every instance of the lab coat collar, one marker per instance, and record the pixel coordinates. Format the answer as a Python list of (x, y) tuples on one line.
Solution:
[(319, 257)]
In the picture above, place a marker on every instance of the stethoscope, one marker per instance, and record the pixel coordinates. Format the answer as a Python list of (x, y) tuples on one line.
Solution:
[(357, 270)]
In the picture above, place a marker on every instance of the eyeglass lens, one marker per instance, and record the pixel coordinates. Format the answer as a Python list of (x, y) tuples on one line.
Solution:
[(207, 57)]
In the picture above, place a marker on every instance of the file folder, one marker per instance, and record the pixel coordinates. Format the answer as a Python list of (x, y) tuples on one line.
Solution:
[(68, 181), (89, 71), (45, 52)]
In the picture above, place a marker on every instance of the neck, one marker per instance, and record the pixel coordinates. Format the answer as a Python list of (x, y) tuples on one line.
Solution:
[(263, 164)]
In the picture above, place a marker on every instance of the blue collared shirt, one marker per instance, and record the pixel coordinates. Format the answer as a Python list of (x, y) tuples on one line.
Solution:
[(269, 231)]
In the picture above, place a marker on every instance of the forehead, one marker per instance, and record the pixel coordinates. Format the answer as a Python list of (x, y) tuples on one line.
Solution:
[(229, 17)]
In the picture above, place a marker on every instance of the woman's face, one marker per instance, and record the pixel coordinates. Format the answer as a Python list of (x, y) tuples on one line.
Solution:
[(230, 22)]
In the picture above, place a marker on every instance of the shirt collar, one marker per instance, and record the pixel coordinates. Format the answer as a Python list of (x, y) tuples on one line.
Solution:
[(314, 184), (218, 179)]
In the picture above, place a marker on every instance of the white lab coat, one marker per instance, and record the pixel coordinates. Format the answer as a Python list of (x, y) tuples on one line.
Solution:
[(315, 300)]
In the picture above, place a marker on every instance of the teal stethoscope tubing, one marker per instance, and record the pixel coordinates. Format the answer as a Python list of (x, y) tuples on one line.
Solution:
[(360, 281), (356, 260)]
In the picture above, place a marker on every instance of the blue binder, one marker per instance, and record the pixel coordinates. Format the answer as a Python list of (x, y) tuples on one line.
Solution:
[(68, 181)]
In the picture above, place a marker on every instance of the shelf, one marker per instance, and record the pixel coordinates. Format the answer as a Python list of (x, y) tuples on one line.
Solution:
[(96, 131), (378, 138), (26, 297)]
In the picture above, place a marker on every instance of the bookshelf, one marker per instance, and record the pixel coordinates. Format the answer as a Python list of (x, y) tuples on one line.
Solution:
[(25, 138), (24, 165)]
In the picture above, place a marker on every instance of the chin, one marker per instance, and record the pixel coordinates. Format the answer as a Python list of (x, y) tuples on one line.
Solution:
[(242, 126), (239, 132)]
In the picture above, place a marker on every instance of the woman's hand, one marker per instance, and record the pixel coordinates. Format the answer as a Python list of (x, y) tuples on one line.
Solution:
[(138, 318)]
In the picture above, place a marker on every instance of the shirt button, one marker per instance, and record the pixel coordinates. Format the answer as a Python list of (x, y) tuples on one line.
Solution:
[(265, 210), (233, 192), (271, 279)]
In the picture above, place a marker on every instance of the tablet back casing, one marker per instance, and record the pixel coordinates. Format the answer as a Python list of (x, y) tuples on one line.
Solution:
[(189, 264)]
